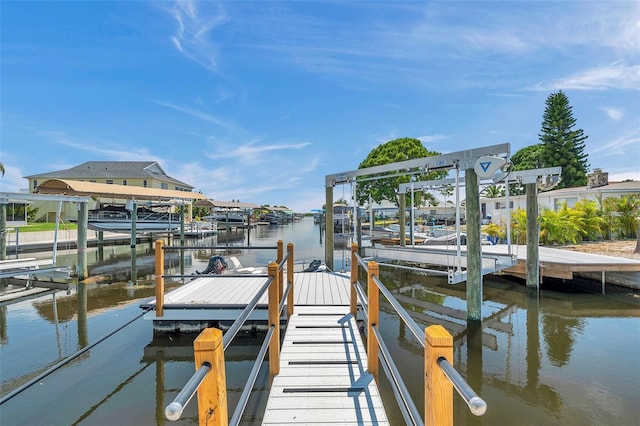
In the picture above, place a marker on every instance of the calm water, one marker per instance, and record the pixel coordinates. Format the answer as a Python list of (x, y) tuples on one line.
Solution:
[(565, 358)]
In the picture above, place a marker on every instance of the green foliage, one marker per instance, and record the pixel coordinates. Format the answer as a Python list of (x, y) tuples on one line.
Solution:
[(560, 227), (519, 226), (587, 220), (529, 157), (621, 215), (387, 188), (494, 191), (592, 222), (493, 230), (561, 145)]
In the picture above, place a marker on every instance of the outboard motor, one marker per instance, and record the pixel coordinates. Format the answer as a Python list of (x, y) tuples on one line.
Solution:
[(217, 265)]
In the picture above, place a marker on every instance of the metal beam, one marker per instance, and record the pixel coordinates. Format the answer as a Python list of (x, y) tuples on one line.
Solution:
[(16, 197), (527, 176), (403, 188), (465, 159)]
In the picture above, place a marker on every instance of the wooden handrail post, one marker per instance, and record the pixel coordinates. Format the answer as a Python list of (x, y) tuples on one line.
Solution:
[(280, 272), (373, 296), (290, 279), (159, 254), (212, 393), (274, 320), (438, 390), (353, 298)]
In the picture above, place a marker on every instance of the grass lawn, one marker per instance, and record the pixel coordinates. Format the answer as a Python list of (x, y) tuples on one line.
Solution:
[(46, 227)]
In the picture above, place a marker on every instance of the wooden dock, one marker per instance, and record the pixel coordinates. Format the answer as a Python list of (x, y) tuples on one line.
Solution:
[(323, 372), (323, 377), (554, 263)]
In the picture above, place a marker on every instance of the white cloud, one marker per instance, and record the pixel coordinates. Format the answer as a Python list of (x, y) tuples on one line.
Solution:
[(192, 38), (620, 145), (253, 153), (198, 114), (615, 114), (106, 149), (613, 76)]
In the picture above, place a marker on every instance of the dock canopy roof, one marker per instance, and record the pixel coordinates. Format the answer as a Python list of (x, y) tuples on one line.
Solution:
[(226, 205), (92, 189)]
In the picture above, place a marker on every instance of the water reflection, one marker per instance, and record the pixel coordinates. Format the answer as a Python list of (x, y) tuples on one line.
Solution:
[(533, 357)]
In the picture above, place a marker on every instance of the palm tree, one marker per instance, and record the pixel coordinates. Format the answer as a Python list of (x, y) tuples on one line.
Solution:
[(1, 169)]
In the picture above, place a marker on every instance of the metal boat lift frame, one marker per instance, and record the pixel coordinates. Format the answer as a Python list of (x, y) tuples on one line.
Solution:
[(466, 160)]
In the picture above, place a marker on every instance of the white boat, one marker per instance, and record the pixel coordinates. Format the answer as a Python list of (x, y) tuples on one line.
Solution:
[(226, 217), (115, 218)]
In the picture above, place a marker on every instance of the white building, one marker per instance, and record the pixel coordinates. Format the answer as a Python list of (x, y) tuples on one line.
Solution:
[(598, 188)]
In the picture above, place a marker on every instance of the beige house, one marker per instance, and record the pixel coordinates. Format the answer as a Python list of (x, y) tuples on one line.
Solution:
[(146, 174)]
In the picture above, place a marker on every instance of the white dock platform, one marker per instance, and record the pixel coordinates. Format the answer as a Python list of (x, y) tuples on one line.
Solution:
[(323, 376)]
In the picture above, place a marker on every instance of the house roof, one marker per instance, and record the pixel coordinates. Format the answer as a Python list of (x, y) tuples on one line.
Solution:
[(112, 169), (105, 190)]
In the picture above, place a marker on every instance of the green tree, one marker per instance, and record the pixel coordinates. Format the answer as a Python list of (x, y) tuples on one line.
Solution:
[(1, 169), (494, 191), (529, 157), (561, 145), (386, 188)]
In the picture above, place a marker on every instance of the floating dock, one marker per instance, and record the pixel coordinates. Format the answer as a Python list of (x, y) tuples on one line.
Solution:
[(323, 363), (554, 263), (216, 301)]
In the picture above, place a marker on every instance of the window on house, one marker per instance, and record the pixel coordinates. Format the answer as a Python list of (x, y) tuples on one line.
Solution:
[(558, 203), (124, 181), (501, 205), (109, 181), (144, 183), (35, 184), (164, 186)]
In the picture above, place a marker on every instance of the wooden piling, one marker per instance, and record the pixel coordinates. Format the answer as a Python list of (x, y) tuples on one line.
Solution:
[(274, 320), (438, 390), (290, 264), (533, 236), (212, 393), (159, 255), (373, 313), (353, 297), (280, 246), (474, 252)]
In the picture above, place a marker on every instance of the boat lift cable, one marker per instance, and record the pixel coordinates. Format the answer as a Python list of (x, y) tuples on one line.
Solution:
[(67, 360)]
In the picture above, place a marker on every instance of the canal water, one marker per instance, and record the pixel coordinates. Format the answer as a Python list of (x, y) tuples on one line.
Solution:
[(567, 355)]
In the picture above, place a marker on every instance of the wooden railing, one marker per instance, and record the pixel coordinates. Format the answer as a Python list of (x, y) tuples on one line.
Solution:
[(209, 380), (440, 376)]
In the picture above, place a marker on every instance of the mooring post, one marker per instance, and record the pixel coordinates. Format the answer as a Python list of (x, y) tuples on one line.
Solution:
[(159, 255), (353, 298), (212, 392), (274, 320), (474, 253), (3, 231), (533, 236), (402, 219), (373, 295), (290, 264), (83, 220), (328, 228), (438, 390), (280, 270)]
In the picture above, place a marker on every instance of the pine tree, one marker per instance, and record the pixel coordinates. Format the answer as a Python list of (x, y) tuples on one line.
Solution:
[(561, 145)]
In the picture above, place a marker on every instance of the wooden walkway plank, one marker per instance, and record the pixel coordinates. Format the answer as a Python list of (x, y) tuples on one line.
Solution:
[(323, 373)]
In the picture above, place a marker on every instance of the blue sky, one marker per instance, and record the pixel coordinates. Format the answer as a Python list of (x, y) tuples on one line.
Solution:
[(258, 101)]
